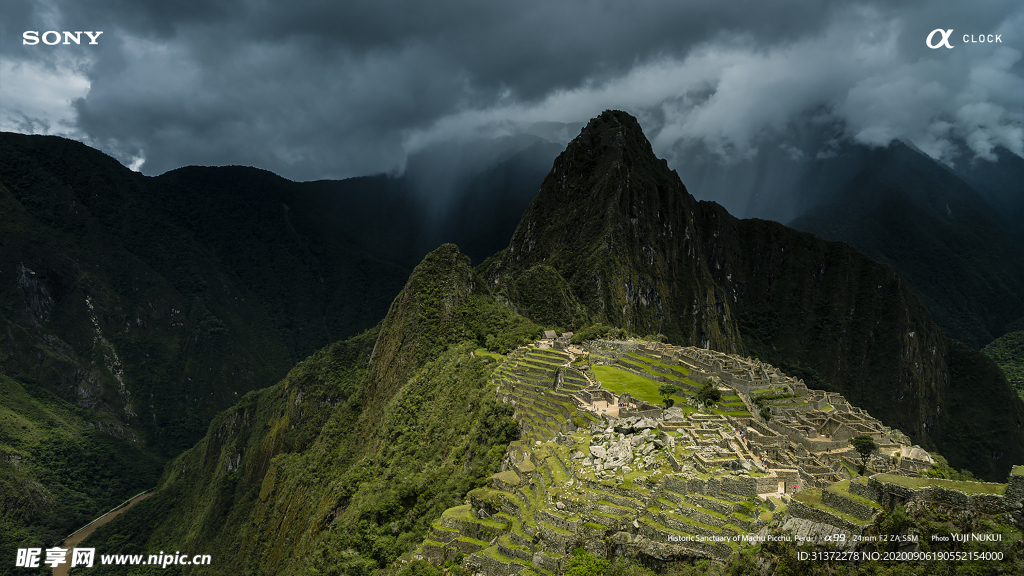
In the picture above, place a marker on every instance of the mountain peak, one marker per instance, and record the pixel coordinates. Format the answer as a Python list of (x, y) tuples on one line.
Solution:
[(615, 129), (617, 225)]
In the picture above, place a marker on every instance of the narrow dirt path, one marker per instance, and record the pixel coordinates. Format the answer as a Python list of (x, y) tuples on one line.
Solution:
[(77, 538)]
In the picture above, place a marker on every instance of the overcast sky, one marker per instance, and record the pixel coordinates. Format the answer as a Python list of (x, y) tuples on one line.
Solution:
[(317, 89)]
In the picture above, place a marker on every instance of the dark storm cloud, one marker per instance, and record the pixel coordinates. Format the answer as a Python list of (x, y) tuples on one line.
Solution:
[(334, 89)]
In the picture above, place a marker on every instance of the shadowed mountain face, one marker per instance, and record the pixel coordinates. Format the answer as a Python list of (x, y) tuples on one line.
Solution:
[(617, 225), (615, 230), (945, 239), (342, 465), (1001, 184), (159, 301), (134, 309)]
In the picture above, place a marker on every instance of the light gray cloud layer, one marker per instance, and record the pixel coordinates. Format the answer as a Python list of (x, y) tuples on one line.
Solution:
[(327, 90)]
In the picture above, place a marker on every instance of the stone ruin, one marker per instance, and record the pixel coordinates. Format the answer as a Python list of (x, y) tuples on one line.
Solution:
[(615, 475)]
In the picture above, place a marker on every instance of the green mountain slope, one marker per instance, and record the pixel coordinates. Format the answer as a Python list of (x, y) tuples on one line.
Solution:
[(58, 469), (615, 225), (138, 308), (160, 301), (347, 460), (1007, 352)]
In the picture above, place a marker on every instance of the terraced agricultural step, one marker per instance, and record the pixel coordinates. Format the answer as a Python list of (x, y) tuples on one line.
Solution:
[(595, 493), (546, 563), (702, 515), (437, 552), (512, 503), (468, 545), (733, 530), (711, 503), (540, 363), (603, 522), (653, 529), (741, 520), (611, 510), (520, 537), (461, 518), (442, 534), (557, 518), (682, 523), (509, 548), (839, 497), (559, 474), (557, 538), (491, 561)]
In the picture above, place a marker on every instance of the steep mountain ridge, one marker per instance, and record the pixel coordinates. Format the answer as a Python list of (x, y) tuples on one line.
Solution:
[(618, 226), (639, 252), (109, 320), (343, 464), (942, 236), (134, 309)]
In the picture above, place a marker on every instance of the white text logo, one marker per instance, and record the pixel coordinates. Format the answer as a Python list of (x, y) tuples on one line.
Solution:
[(982, 38), (945, 38), (52, 37)]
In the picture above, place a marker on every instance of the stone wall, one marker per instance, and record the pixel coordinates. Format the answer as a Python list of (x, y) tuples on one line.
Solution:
[(768, 483), (654, 413), (677, 484), (866, 491), (847, 505), (491, 566), (437, 555), (894, 494), (623, 346), (740, 485), (1015, 489), (800, 510)]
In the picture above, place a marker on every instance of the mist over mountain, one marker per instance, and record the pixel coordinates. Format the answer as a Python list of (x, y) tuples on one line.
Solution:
[(953, 245), (1001, 184), (469, 194)]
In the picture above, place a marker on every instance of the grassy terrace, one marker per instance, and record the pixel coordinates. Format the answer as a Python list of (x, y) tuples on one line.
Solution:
[(544, 361), (485, 353), (677, 377), (463, 513), (708, 511), (681, 370), (967, 487), (550, 355), (508, 477), (843, 488), (812, 497), (620, 381), (492, 552), (731, 411)]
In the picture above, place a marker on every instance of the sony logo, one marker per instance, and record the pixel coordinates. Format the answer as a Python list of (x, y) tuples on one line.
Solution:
[(51, 37)]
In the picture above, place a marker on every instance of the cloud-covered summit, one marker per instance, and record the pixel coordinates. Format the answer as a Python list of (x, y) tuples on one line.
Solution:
[(329, 90)]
